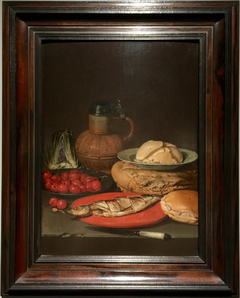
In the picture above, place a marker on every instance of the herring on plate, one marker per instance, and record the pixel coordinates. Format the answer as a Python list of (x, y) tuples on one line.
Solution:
[(119, 206)]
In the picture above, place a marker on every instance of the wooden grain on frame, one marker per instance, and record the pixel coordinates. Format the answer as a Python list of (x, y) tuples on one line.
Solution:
[(213, 26)]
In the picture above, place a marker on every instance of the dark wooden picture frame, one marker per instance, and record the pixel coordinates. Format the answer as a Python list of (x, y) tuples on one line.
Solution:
[(214, 272)]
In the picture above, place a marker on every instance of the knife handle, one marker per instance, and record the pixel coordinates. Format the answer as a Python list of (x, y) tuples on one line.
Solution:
[(157, 235)]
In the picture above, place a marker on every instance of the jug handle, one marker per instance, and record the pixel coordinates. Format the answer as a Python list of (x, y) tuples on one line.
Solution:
[(130, 133)]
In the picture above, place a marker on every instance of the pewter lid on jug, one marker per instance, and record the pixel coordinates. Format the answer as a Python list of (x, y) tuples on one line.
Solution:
[(101, 108)]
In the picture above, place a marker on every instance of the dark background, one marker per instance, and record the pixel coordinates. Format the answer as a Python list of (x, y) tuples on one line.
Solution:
[(157, 82)]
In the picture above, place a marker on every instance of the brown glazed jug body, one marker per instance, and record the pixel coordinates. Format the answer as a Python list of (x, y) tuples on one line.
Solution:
[(97, 147)]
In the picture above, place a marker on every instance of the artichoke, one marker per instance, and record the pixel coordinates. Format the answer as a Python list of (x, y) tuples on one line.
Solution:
[(60, 154)]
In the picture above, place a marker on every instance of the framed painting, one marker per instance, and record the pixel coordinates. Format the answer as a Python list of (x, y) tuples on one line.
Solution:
[(120, 148)]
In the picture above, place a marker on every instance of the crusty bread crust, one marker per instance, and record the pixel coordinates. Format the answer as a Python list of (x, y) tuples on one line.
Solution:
[(131, 178), (181, 206), (188, 221)]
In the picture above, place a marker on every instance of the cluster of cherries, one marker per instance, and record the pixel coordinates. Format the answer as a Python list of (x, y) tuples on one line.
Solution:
[(71, 181), (59, 204)]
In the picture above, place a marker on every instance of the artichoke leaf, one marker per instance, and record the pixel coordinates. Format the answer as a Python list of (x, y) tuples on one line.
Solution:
[(60, 153)]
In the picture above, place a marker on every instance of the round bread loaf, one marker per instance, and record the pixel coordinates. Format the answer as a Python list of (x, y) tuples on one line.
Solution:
[(159, 152), (130, 178), (181, 205)]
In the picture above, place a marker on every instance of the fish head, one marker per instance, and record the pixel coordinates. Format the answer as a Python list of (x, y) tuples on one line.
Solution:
[(81, 211)]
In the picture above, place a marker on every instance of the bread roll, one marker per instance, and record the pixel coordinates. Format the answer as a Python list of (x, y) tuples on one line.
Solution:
[(181, 205), (159, 152), (131, 178)]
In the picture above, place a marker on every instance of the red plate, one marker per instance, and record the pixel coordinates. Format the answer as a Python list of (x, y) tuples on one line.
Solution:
[(152, 215)]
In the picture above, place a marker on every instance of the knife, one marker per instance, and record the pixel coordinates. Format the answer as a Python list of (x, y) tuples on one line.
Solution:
[(130, 232)]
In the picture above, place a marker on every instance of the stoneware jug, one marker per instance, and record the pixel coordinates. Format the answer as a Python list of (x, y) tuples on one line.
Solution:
[(97, 147)]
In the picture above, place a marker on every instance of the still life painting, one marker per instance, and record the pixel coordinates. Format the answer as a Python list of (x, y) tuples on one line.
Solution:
[(120, 148), (120, 156)]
